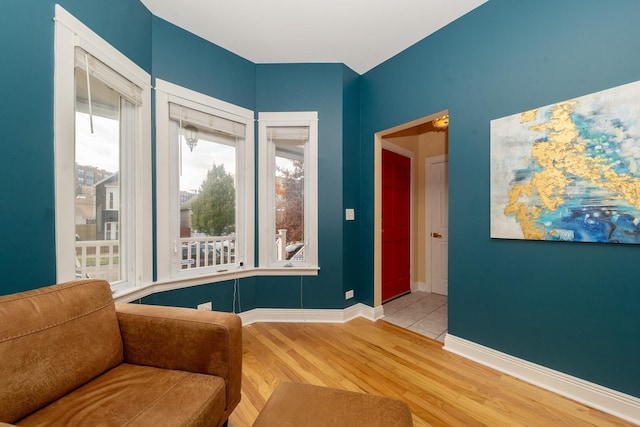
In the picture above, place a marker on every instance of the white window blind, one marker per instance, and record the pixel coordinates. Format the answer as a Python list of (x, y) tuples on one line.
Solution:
[(288, 133), (206, 121), (289, 140), (108, 76)]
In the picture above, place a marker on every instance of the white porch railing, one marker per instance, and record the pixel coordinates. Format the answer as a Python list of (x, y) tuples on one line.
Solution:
[(281, 245), (298, 256), (98, 259), (207, 251), (101, 258), (292, 252)]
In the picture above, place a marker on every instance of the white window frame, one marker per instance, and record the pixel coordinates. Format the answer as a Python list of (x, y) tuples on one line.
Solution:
[(136, 222), (266, 153), (167, 180)]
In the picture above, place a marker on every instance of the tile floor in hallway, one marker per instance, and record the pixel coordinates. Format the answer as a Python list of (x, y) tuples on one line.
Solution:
[(421, 312)]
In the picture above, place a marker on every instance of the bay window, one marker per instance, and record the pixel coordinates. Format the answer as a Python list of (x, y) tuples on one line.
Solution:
[(205, 181), (288, 189)]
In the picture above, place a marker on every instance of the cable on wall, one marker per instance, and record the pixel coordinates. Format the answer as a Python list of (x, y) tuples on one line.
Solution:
[(236, 295), (304, 318)]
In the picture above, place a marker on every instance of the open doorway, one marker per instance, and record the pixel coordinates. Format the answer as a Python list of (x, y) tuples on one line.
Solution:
[(425, 143)]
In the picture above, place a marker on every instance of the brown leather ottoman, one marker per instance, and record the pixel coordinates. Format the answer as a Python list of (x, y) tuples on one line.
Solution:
[(298, 405)]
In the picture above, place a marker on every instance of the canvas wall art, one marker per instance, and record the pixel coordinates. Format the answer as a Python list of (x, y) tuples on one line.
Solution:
[(569, 171)]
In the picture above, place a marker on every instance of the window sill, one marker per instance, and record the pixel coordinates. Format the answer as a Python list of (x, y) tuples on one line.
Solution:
[(136, 293), (281, 270)]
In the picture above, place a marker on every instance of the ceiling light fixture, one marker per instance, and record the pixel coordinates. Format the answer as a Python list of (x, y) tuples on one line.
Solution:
[(441, 122)]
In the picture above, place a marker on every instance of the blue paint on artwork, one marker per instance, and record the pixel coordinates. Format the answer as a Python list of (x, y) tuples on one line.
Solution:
[(584, 186), (597, 224)]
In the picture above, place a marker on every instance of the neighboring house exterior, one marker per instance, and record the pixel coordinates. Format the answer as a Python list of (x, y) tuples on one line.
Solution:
[(85, 202), (85, 211), (107, 208), (186, 200), (89, 175)]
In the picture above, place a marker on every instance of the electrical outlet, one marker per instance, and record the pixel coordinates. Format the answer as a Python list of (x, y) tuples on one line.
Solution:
[(207, 306), (348, 294)]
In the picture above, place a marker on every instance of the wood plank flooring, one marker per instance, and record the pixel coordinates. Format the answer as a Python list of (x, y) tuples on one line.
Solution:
[(441, 388)]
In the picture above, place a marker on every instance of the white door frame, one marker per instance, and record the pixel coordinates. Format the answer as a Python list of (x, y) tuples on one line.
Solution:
[(389, 146), (377, 199), (429, 162)]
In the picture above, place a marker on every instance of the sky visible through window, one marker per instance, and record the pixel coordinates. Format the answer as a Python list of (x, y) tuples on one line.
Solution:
[(100, 148), (196, 163)]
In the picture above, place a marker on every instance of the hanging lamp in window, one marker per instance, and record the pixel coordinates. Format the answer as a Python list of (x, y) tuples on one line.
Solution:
[(191, 136)]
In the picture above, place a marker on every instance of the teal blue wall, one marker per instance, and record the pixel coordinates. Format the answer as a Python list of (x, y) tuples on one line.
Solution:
[(187, 60), (351, 187), (310, 87), (230, 296), (572, 307), (125, 24), (27, 255), (332, 91)]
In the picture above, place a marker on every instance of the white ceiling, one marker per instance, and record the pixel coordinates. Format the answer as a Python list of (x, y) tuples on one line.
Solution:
[(358, 33)]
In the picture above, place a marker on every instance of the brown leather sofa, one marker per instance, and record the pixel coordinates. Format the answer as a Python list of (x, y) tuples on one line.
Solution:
[(70, 356)]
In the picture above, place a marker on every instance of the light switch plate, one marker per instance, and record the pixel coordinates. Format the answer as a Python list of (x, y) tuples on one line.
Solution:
[(350, 214)]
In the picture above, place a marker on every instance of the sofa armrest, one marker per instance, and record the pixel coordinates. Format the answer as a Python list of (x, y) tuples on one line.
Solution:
[(206, 342)]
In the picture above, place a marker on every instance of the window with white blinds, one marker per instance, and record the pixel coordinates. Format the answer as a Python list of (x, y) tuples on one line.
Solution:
[(288, 189), (205, 190), (102, 160), (221, 127), (95, 68)]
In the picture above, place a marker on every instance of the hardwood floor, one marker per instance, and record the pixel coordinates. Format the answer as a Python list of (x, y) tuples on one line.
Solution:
[(442, 389)]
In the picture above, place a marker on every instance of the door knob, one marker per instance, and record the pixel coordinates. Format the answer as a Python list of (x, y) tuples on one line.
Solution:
[(436, 235)]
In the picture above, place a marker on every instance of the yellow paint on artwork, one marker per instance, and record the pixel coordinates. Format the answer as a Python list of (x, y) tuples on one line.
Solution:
[(561, 156), (528, 116)]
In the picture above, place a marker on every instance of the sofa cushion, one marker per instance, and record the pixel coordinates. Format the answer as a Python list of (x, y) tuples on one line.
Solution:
[(163, 336), (135, 395), (53, 340)]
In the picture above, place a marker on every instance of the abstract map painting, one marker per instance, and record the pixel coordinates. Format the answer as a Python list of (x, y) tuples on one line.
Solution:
[(569, 171)]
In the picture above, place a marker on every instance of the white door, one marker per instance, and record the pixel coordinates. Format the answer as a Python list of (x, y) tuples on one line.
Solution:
[(437, 198)]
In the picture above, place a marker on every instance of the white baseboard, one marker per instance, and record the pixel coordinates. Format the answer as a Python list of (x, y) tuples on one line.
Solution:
[(596, 396), (311, 315), (421, 287)]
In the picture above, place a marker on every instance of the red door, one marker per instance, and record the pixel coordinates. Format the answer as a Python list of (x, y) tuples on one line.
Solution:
[(396, 217)]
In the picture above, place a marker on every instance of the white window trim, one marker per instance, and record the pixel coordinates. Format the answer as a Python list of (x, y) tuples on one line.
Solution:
[(69, 33), (266, 186), (166, 184)]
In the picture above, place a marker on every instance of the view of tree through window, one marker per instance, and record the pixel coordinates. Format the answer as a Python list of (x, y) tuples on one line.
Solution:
[(290, 198), (207, 183), (289, 191), (214, 210)]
